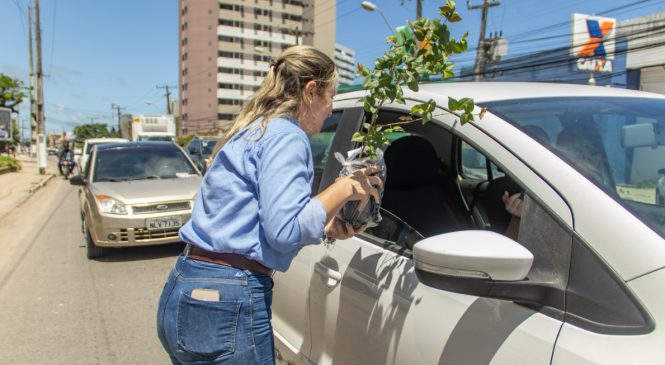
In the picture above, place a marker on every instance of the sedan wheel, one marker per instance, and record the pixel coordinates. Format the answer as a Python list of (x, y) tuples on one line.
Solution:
[(92, 250)]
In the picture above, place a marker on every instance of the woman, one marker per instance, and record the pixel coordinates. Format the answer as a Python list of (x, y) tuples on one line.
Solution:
[(252, 215)]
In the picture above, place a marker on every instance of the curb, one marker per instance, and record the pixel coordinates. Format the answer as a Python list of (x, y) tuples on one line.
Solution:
[(40, 184)]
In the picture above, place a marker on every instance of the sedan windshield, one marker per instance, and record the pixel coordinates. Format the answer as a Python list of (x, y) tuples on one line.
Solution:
[(616, 143), (123, 164), (207, 146)]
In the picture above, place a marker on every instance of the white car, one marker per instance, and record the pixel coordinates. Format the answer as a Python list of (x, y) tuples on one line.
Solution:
[(438, 281), (84, 154)]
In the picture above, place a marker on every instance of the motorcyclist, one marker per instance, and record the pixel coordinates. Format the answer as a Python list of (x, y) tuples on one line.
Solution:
[(66, 154)]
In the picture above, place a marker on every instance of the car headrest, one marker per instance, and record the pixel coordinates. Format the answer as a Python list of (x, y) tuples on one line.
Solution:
[(411, 162)]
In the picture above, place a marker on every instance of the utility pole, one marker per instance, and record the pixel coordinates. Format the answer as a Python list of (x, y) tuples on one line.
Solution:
[(119, 110), (168, 98), (41, 138), (33, 104), (419, 8), (480, 52)]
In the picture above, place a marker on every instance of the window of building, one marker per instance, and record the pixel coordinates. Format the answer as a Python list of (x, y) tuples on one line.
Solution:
[(224, 116)]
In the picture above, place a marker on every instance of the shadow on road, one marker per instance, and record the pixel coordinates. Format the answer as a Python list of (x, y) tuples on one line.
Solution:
[(142, 253)]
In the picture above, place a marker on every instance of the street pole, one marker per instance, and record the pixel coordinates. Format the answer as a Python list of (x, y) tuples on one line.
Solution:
[(168, 98), (480, 52), (119, 110), (33, 111), (419, 9), (41, 138)]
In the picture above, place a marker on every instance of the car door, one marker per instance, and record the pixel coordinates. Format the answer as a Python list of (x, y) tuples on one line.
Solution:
[(291, 325), (369, 305)]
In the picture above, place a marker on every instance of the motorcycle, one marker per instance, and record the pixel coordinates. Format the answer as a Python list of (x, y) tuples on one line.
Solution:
[(66, 166)]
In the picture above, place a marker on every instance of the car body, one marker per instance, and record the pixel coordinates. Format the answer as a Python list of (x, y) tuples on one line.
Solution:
[(438, 282), (200, 148), (82, 158), (52, 150), (135, 194)]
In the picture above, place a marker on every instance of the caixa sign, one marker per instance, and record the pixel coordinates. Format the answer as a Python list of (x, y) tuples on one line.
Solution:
[(593, 42), (591, 64)]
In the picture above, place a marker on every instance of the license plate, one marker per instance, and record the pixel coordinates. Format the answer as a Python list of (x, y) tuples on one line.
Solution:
[(164, 222)]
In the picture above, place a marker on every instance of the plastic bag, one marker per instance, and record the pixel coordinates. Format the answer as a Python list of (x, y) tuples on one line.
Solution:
[(370, 215)]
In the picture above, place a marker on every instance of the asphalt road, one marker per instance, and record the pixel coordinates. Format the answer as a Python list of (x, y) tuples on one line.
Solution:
[(57, 307)]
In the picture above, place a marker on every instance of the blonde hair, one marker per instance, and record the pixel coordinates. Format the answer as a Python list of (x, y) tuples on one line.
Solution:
[(281, 93)]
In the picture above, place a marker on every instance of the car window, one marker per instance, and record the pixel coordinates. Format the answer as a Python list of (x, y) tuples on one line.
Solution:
[(475, 165), (320, 144), (616, 143), (207, 145), (420, 196), (122, 164)]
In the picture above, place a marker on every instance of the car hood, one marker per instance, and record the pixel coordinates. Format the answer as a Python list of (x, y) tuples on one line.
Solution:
[(146, 191)]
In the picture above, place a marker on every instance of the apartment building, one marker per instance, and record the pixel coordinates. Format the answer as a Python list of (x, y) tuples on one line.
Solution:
[(226, 47), (345, 59)]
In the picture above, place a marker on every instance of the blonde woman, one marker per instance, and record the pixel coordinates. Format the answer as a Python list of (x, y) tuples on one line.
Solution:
[(252, 215)]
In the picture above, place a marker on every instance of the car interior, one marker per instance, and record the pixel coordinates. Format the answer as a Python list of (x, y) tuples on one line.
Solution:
[(436, 183)]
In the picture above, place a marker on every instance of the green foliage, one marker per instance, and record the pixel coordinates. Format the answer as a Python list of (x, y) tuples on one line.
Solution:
[(16, 133), (8, 161), (10, 92), (416, 52), (183, 141), (93, 130)]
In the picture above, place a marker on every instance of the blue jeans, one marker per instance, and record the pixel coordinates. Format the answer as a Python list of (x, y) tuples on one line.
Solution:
[(229, 324)]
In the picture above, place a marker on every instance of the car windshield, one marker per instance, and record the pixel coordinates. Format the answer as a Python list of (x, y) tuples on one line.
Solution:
[(153, 162), (617, 143), (207, 145)]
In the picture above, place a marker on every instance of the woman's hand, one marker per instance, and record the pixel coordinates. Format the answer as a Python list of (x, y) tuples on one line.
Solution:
[(340, 230), (364, 184)]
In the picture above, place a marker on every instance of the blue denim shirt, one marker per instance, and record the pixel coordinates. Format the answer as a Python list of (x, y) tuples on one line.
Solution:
[(255, 200)]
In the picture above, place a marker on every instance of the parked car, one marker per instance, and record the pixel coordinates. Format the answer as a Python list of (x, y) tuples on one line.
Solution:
[(438, 282), (199, 149), (82, 158), (134, 194)]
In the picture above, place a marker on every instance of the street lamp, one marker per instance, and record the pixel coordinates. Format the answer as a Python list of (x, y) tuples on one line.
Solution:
[(370, 6)]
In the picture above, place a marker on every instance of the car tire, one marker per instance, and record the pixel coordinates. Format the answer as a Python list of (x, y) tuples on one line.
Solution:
[(659, 198), (92, 251)]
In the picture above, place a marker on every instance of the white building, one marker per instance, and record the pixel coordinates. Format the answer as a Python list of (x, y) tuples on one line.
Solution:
[(345, 59)]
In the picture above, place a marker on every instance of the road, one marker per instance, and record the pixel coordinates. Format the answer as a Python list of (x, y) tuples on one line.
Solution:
[(57, 307)]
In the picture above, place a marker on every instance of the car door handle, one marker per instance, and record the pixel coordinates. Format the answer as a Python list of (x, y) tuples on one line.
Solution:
[(331, 276)]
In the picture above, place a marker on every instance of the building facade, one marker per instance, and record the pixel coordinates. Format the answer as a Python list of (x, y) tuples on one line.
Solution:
[(226, 47), (345, 59)]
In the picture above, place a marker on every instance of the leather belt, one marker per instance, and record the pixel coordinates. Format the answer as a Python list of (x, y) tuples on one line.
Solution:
[(227, 259)]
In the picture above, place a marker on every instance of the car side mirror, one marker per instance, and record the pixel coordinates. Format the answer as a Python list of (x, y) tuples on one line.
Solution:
[(638, 135), (480, 263), (473, 254), (77, 180)]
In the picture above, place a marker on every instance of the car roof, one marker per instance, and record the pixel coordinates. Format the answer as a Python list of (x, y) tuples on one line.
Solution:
[(136, 145), (484, 92), (106, 140)]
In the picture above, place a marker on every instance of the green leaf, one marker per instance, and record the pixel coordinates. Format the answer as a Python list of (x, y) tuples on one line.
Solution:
[(358, 137), (453, 104)]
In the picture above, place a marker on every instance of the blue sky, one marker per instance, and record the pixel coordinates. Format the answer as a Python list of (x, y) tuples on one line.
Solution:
[(96, 53)]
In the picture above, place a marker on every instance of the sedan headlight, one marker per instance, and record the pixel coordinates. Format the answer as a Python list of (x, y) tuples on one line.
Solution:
[(110, 205)]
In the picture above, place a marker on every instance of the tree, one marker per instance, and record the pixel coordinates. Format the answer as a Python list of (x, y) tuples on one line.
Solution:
[(10, 92), (16, 133), (93, 130)]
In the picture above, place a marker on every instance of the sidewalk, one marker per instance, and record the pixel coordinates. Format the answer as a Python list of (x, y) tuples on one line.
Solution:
[(17, 187)]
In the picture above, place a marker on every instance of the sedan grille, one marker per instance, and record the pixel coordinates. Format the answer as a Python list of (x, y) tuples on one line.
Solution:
[(161, 207), (146, 234)]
